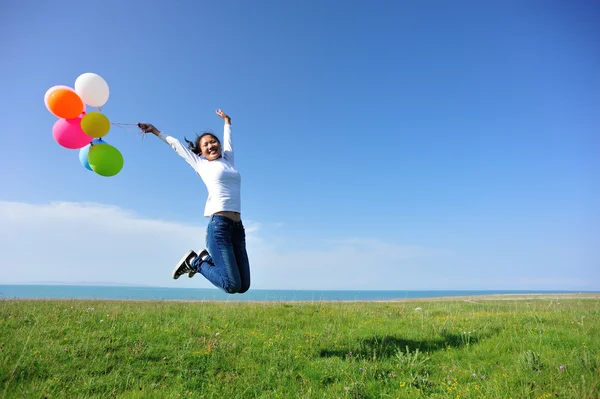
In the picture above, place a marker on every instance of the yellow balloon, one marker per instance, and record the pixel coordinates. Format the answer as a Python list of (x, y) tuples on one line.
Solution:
[(95, 125)]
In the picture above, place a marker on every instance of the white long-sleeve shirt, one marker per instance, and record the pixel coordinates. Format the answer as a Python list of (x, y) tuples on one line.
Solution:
[(220, 176)]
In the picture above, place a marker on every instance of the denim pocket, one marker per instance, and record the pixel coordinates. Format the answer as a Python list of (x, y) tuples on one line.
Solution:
[(219, 225)]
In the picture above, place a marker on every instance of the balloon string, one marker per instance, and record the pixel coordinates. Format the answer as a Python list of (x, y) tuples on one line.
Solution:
[(127, 126)]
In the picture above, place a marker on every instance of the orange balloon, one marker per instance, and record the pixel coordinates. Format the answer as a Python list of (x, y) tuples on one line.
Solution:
[(65, 103)]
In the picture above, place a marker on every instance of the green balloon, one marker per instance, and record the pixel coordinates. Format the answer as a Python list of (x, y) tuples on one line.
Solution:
[(105, 159)]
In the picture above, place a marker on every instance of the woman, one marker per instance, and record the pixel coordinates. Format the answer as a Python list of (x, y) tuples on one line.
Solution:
[(225, 262)]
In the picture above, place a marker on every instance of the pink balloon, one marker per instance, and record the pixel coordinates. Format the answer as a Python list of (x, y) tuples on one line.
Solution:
[(68, 133), (50, 90)]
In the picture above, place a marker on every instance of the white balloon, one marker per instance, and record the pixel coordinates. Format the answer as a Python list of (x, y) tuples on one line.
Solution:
[(92, 89)]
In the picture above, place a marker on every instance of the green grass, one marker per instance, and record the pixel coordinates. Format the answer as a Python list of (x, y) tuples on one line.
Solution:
[(428, 349)]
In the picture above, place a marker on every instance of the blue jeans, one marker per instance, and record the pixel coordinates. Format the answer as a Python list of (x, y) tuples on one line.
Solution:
[(227, 266)]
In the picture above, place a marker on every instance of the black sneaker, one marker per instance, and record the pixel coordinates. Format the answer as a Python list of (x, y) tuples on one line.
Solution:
[(184, 265), (202, 254)]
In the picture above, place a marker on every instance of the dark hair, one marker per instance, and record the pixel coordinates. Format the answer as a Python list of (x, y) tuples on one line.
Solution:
[(194, 146)]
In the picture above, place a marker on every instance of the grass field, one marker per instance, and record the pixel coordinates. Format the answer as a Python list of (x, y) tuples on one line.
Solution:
[(477, 348)]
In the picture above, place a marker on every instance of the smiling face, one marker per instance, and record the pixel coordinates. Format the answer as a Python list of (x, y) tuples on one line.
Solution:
[(210, 147)]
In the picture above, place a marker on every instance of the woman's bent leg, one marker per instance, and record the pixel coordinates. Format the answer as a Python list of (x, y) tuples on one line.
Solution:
[(239, 249), (221, 269)]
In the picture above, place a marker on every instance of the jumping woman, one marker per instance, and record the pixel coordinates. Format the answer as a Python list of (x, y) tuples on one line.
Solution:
[(224, 262)]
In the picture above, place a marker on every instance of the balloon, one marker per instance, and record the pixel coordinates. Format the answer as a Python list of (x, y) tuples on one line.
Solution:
[(92, 89), (105, 159), (95, 124), (68, 133), (50, 90), (83, 153), (65, 103)]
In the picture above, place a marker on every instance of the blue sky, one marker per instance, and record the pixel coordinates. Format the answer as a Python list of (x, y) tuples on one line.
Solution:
[(382, 145)]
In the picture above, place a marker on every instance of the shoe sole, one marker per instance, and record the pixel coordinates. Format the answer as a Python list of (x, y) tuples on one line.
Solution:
[(178, 265)]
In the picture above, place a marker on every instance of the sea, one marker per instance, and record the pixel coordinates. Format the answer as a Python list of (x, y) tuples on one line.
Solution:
[(96, 292)]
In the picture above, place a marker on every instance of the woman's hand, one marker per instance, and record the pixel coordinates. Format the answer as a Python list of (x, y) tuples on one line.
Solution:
[(148, 128), (224, 116)]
